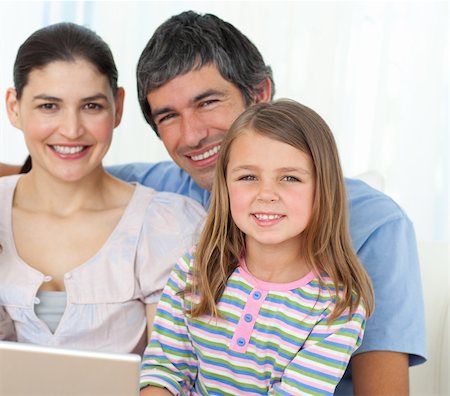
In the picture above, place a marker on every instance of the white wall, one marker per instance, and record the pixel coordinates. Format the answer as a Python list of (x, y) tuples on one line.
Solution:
[(376, 71)]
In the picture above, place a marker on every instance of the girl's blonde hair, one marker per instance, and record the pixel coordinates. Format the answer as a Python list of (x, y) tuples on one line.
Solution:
[(327, 245)]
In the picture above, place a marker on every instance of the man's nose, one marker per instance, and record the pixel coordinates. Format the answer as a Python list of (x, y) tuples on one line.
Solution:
[(193, 130)]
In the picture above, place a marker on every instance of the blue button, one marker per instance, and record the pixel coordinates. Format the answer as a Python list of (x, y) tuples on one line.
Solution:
[(241, 341), (248, 318), (257, 295)]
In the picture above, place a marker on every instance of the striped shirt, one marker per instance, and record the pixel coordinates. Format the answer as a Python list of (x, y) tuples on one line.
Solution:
[(270, 339)]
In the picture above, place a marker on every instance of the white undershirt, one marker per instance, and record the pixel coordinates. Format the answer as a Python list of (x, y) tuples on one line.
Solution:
[(51, 307)]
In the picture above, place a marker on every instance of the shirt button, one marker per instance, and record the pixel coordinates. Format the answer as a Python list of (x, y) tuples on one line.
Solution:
[(256, 295), (67, 276), (37, 300), (241, 341), (47, 278), (248, 318)]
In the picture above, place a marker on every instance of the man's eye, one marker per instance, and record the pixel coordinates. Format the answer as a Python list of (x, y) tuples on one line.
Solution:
[(208, 102), (166, 118)]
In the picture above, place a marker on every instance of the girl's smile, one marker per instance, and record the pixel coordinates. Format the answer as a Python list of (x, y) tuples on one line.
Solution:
[(271, 189)]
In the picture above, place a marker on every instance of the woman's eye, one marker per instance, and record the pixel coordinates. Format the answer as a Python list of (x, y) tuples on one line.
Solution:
[(47, 106), (92, 106)]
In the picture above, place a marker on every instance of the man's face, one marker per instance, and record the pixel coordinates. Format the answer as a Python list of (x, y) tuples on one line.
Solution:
[(193, 112)]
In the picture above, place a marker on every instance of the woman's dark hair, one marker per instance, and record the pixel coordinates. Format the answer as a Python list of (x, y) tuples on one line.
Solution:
[(26, 167), (63, 42)]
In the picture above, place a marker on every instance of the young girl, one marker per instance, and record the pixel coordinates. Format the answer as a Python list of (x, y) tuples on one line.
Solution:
[(85, 256), (273, 300)]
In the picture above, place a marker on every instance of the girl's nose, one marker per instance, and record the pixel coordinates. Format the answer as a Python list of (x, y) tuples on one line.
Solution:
[(268, 193)]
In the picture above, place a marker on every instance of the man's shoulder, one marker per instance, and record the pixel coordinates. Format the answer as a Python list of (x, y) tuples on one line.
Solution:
[(370, 210), (371, 203)]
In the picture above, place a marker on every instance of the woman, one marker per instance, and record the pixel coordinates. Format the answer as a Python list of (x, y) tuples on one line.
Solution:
[(85, 256)]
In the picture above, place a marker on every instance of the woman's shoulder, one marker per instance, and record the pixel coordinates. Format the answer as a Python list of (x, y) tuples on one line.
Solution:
[(171, 204)]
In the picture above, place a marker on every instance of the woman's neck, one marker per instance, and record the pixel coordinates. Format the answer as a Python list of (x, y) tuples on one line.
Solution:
[(38, 191)]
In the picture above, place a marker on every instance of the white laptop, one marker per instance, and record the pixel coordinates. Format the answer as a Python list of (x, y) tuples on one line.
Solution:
[(32, 370)]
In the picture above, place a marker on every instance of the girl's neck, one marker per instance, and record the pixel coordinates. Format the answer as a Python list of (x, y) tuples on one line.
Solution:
[(275, 265)]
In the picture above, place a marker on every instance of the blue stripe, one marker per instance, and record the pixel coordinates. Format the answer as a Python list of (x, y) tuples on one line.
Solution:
[(303, 369), (238, 386), (310, 388), (211, 330)]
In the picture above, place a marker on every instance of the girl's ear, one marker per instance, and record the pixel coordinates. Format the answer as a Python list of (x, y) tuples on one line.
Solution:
[(12, 107), (263, 92), (120, 97)]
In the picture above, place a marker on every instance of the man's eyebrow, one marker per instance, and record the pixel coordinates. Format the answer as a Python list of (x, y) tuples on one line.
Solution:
[(197, 98), (162, 110), (209, 92)]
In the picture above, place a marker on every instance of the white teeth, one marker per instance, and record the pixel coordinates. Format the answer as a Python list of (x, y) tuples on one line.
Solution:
[(67, 149), (267, 217), (206, 154)]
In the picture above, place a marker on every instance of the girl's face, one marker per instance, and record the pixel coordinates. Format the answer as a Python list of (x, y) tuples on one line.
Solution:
[(67, 113), (271, 189)]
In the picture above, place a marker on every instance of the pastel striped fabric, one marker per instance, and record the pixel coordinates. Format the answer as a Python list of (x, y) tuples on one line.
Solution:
[(271, 339)]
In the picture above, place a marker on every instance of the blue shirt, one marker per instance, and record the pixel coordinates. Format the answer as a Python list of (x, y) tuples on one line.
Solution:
[(382, 235)]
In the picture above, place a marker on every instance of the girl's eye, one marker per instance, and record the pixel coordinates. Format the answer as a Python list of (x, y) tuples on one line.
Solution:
[(247, 178), (290, 179)]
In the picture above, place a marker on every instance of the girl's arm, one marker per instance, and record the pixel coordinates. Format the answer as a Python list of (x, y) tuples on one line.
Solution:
[(155, 391), (321, 362), (169, 360)]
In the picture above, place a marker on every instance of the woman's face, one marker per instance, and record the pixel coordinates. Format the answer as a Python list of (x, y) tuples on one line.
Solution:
[(67, 113)]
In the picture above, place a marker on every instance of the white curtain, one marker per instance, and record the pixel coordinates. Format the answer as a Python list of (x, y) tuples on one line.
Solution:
[(376, 71)]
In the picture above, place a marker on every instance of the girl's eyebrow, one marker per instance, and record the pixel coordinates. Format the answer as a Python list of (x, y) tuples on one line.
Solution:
[(294, 169), (282, 169)]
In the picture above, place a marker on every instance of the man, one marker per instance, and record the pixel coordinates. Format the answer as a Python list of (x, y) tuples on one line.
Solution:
[(195, 76)]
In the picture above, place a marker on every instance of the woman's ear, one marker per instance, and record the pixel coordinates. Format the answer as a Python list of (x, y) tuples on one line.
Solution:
[(12, 107), (120, 98), (263, 92)]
